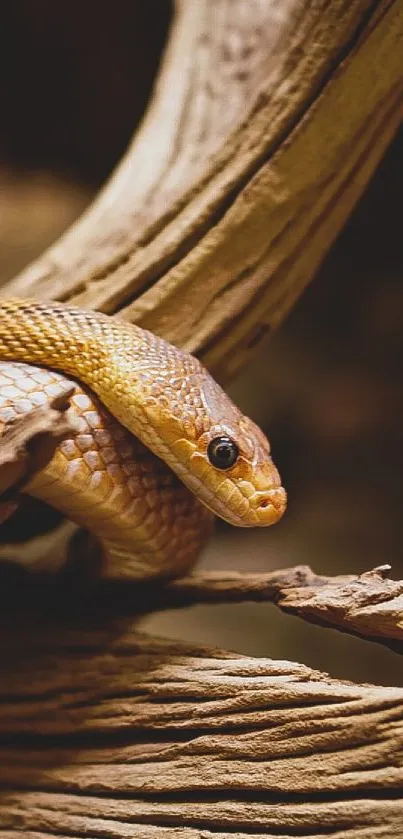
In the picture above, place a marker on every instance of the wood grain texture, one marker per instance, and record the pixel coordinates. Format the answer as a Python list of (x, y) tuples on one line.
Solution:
[(118, 734), (267, 122)]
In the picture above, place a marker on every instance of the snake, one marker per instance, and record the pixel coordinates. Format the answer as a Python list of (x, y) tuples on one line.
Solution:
[(159, 446)]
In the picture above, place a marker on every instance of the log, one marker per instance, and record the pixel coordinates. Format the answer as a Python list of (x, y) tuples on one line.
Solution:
[(107, 732)]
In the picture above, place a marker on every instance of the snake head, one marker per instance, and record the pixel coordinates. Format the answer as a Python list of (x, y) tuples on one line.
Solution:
[(220, 454), (240, 481)]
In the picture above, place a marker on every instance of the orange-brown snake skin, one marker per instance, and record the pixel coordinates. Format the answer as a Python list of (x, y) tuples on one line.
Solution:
[(152, 424)]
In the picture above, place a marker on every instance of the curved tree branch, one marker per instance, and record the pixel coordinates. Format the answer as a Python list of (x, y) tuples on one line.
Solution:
[(267, 122)]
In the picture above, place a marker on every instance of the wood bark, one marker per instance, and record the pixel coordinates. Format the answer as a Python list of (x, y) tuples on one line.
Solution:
[(267, 122)]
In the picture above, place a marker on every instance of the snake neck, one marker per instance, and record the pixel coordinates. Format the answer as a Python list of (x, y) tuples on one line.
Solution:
[(120, 362), (101, 477)]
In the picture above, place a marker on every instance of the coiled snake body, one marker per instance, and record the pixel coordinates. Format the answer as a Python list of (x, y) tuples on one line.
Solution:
[(152, 425)]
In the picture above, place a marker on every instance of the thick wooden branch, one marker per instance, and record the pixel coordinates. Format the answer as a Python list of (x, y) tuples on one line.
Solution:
[(267, 122), (111, 733)]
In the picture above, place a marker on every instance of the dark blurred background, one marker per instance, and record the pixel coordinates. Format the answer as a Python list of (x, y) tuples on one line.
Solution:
[(74, 82)]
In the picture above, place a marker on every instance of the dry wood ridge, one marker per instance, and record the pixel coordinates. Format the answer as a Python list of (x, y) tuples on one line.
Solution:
[(105, 731), (267, 122), (122, 735)]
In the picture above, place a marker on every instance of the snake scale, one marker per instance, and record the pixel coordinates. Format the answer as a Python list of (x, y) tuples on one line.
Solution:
[(158, 444)]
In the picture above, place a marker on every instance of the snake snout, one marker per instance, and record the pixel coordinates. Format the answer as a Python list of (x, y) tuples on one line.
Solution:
[(270, 505)]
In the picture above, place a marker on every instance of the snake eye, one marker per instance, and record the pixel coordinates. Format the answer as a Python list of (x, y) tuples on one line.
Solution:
[(222, 452)]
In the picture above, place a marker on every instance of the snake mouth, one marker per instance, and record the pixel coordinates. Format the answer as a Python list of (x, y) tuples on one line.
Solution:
[(266, 509), (271, 506)]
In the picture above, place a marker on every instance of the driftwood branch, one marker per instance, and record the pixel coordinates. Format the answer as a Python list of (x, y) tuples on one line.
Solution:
[(267, 122), (369, 605), (123, 735)]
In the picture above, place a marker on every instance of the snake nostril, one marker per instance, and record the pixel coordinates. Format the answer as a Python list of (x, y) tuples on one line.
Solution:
[(275, 499)]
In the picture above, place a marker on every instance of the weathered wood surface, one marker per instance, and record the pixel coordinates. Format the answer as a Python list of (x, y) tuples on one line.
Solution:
[(116, 734), (267, 122)]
